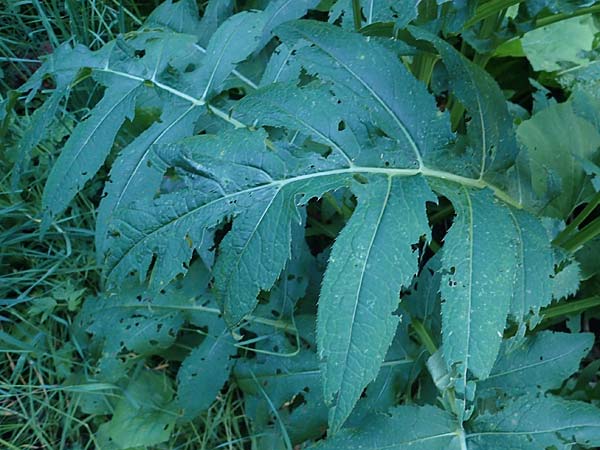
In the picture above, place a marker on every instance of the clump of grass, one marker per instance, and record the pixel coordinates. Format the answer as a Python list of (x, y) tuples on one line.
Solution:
[(45, 278), (31, 29)]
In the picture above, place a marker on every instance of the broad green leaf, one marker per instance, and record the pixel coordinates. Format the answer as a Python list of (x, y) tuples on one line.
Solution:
[(566, 281), (285, 105), (347, 59), (585, 76), (281, 67), (281, 11), (141, 417), (148, 322), (372, 11), (553, 152), (587, 257), (540, 362), (298, 377), (264, 228), (534, 268), (162, 54), (63, 65), (293, 282), (560, 45), (180, 16), (476, 290), (247, 180), (491, 141), (88, 146), (279, 380), (398, 372), (370, 261), (404, 428), (534, 423), (132, 321), (204, 371), (586, 104), (215, 13), (132, 176), (233, 41)]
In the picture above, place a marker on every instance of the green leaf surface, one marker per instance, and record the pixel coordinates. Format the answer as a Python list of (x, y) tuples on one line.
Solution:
[(492, 145), (476, 292), (281, 11), (215, 13), (270, 379), (40, 123), (63, 64), (534, 423), (361, 287), (541, 362), (424, 302), (262, 195), (347, 59), (132, 175), (180, 16), (404, 428), (285, 105), (372, 11), (285, 379), (553, 152), (560, 45), (233, 41), (534, 268), (204, 371), (566, 281), (133, 321), (281, 67), (88, 146), (141, 417)]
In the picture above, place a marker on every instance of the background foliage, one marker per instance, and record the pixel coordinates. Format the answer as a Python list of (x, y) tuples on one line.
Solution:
[(441, 153)]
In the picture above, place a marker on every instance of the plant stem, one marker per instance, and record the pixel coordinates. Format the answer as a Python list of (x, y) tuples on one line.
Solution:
[(423, 65), (356, 14), (442, 213), (489, 9), (573, 307), (424, 335), (563, 16), (423, 62), (588, 233), (565, 234)]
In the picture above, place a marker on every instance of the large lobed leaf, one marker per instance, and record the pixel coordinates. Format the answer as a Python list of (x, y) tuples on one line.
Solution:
[(370, 261), (476, 294), (382, 144), (335, 123)]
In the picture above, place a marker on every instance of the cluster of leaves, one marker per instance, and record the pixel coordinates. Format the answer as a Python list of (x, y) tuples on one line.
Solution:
[(334, 207)]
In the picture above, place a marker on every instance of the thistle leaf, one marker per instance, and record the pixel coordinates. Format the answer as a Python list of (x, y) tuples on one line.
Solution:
[(361, 287)]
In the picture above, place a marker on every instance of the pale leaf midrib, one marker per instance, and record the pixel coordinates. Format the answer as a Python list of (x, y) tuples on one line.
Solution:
[(534, 432), (280, 183), (317, 371), (478, 183), (357, 297)]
